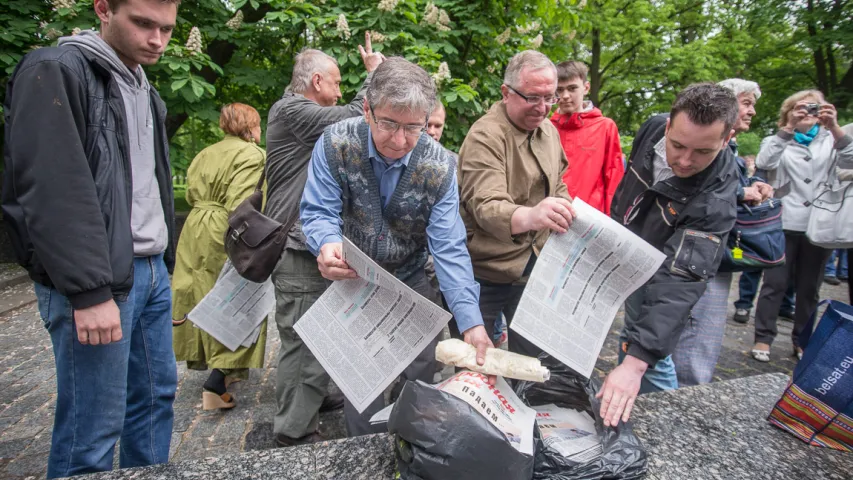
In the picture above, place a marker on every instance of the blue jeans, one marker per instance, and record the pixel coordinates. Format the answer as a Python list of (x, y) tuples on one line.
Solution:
[(839, 258), (121, 390), (660, 376), (748, 288)]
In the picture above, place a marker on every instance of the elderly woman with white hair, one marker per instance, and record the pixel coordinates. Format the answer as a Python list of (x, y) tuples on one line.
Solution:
[(699, 346), (800, 158)]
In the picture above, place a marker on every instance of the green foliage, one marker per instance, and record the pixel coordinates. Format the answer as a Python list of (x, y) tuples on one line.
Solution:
[(748, 143)]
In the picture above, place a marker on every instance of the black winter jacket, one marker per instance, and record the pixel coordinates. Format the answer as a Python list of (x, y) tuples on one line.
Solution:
[(689, 220), (67, 190)]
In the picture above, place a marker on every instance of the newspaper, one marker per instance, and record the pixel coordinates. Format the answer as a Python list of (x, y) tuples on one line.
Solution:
[(498, 404), (366, 331), (579, 281), (234, 308), (568, 432)]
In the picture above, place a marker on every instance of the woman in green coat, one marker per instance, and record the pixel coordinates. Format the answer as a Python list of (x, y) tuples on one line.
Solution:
[(220, 177)]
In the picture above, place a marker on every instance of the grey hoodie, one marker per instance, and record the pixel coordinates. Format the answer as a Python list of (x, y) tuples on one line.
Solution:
[(147, 221)]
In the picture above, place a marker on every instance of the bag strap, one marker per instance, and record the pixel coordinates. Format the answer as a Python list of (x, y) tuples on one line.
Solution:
[(806, 334), (260, 185)]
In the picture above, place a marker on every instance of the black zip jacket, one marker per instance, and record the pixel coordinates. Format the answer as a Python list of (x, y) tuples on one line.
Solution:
[(689, 220), (67, 190)]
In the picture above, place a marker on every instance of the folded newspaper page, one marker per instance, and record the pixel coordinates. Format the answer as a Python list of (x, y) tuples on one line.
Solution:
[(457, 353), (498, 404), (366, 331), (234, 308), (579, 281), (568, 432)]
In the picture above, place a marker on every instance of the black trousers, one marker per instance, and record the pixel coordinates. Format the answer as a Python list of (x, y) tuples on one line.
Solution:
[(804, 267)]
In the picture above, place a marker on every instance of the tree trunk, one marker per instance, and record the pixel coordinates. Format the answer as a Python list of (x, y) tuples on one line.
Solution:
[(595, 67), (817, 52)]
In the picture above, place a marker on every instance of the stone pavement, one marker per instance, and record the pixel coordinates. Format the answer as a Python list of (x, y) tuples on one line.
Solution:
[(27, 389)]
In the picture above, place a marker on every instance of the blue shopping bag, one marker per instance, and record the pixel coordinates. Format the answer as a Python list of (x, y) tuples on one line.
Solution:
[(817, 406)]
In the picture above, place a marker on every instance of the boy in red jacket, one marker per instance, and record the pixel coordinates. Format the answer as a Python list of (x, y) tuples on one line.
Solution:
[(590, 140)]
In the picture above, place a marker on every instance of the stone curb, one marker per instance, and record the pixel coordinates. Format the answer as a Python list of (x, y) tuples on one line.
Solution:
[(16, 279)]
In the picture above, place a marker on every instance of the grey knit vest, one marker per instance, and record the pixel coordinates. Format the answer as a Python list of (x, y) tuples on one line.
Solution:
[(396, 238)]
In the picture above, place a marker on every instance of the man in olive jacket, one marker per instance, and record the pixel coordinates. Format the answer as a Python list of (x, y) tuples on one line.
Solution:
[(679, 195)]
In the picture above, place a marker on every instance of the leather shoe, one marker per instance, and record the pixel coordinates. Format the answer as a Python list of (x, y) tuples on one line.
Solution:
[(285, 441), (332, 402)]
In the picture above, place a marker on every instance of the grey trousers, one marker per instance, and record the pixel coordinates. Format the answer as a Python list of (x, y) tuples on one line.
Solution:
[(422, 368), (701, 341), (301, 382)]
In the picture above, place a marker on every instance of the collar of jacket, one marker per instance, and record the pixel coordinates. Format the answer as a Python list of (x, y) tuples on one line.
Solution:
[(518, 133), (576, 120)]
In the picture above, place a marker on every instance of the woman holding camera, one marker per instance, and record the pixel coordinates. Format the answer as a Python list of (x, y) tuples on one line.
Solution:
[(798, 158)]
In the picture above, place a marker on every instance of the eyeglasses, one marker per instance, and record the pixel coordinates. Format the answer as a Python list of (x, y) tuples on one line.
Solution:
[(391, 127), (535, 99)]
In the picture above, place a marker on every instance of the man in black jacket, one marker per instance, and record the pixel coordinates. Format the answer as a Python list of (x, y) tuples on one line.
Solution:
[(88, 203), (678, 195)]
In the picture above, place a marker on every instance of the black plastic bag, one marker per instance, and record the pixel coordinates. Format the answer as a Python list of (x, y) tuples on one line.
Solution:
[(440, 437), (623, 455)]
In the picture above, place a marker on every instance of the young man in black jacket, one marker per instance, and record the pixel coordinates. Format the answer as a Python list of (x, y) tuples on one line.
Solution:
[(679, 195), (88, 203)]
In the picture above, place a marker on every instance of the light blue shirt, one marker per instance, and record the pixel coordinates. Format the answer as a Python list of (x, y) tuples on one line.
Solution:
[(320, 211)]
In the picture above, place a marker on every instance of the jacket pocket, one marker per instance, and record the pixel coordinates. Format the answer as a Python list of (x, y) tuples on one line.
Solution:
[(697, 256)]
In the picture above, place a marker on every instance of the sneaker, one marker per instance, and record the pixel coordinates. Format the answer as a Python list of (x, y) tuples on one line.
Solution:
[(741, 315), (832, 280), (285, 441)]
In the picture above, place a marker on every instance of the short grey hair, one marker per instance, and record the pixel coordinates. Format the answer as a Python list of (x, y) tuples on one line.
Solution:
[(739, 86), (530, 59), (306, 64), (401, 85)]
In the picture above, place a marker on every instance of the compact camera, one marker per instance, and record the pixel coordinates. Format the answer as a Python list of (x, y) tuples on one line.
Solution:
[(813, 109)]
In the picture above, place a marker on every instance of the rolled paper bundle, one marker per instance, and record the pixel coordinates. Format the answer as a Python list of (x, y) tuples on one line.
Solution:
[(457, 353)]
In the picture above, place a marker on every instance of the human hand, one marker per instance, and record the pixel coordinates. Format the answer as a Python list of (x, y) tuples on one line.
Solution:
[(751, 195), (331, 263), (797, 114), (765, 190), (479, 338), (828, 116), (620, 389), (554, 213), (99, 324), (370, 58)]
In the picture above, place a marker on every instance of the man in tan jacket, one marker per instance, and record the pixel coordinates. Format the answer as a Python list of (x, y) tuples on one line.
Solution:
[(512, 195)]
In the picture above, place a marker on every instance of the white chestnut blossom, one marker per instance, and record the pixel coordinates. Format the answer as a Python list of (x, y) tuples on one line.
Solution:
[(387, 5), (57, 4), (474, 83), (503, 37), (530, 27), (431, 14), (377, 37), (343, 27), (536, 42), (236, 22), (194, 41), (75, 31), (442, 75), (471, 61)]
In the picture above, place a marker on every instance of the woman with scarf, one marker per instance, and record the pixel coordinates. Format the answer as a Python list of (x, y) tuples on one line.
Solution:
[(799, 158)]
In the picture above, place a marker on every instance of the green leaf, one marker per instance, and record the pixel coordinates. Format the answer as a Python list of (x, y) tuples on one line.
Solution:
[(178, 84)]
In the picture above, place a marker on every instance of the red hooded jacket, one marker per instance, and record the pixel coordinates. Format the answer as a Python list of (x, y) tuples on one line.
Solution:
[(591, 143)]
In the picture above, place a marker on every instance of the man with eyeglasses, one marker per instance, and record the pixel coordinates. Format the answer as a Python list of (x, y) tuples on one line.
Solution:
[(382, 182), (511, 169)]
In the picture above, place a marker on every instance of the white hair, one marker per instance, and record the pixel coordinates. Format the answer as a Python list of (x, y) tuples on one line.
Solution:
[(527, 59), (306, 64), (739, 86)]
